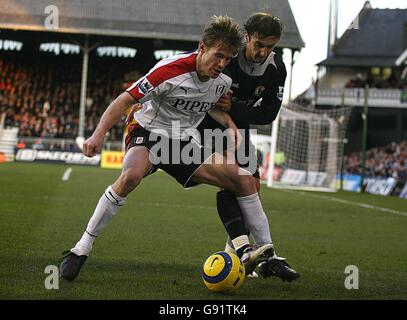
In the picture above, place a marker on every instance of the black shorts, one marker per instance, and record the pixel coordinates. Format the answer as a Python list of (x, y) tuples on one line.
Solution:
[(246, 155), (179, 158)]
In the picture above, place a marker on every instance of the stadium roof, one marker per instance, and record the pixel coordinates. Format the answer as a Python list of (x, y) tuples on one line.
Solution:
[(156, 19), (379, 38)]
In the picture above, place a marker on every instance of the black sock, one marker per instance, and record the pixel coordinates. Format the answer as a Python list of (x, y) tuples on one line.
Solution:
[(231, 215)]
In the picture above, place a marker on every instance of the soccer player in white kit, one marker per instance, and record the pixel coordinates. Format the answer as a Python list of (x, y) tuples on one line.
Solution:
[(175, 96)]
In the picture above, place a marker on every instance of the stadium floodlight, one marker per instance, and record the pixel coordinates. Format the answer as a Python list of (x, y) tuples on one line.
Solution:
[(307, 148), (10, 45), (162, 54), (120, 52), (58, 48)]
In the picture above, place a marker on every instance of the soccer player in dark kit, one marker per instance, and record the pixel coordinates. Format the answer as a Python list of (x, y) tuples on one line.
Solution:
[(258, 76)]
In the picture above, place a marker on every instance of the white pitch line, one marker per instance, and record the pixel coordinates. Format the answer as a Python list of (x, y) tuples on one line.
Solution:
[(67, 174), (363, 205)]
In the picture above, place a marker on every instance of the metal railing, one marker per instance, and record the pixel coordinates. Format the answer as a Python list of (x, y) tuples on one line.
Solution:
[(54, 144), (394, 98), (2, 119)]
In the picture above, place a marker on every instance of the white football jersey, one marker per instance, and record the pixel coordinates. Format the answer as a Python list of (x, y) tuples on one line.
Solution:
[(173, 98)]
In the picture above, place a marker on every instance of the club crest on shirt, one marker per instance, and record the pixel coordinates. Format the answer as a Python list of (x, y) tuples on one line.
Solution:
[(145, 86), (280, 93), (219, 90), (259, 91)]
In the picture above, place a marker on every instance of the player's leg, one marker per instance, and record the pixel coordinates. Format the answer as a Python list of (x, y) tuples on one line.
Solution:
[(227, 205), (217, 172), (255, 221), (251, 214), (269, 264), (226, 199), (136, 165), (241, 184), (214, 169)]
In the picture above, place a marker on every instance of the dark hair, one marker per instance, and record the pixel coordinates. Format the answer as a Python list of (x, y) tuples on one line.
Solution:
[(222, 29), (264, 25)]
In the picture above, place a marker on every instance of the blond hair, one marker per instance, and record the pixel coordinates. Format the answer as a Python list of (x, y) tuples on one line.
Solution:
[(222, 29)]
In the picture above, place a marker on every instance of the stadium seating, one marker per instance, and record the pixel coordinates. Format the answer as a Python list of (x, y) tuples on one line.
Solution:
[(388, 161), (41, 95)]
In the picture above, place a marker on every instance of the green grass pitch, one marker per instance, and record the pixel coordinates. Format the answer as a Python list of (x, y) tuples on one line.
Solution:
[(155, 246)]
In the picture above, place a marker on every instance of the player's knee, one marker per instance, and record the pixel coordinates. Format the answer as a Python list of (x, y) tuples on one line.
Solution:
[(129, 179), (245, 184)]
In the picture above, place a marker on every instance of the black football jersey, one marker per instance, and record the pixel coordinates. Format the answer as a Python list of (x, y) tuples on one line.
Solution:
[(252, 82)]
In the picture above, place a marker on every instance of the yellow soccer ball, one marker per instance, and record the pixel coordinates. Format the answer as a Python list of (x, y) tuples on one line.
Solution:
[(223, 271)]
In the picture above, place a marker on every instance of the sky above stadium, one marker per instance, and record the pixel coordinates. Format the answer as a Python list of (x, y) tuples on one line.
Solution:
[(312, 21)]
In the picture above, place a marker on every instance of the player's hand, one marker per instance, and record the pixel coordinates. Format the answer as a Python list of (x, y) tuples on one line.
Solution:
[(239, 138), (134, 108), (236, 138), (225, 101), (92, 146)]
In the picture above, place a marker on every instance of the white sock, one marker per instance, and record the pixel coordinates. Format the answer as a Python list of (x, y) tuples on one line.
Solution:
[(229, 246), (106, 208), (84, 246), (240, 242), (255, 218)]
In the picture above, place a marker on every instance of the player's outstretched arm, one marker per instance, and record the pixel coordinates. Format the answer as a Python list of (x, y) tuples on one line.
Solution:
[(110, 117)]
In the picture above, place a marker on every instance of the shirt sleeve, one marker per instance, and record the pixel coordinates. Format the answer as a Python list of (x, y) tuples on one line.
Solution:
[(150, 86)]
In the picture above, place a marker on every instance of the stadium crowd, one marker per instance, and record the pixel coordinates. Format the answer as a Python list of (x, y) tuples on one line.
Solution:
[(381, 162), (392, 82), (41, 97)]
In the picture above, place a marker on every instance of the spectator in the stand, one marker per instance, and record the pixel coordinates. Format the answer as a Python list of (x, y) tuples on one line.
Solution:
[(381, 162), (38, 145), (41, 95), (359, 82), (394, 81), (21, 144)]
